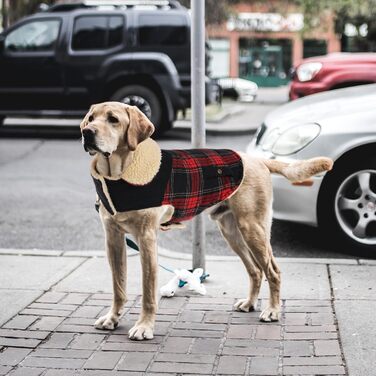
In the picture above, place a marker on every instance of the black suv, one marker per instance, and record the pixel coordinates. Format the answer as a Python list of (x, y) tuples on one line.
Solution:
[(61, 60)]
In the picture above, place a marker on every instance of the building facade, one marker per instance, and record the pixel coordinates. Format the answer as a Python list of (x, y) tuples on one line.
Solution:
[(263, 41)]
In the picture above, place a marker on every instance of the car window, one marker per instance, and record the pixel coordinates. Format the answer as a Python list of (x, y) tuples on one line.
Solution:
[(166, 31), (33, 36), (97, 32)]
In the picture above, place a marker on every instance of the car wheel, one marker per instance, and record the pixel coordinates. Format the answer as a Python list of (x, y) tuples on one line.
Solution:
[(347, 206), (2, 118), (145, 99)]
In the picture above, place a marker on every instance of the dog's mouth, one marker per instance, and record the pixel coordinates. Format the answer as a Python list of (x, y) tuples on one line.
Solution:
[(93, 149)]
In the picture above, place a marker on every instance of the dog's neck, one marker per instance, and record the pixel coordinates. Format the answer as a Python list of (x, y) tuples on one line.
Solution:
[(138, 167)]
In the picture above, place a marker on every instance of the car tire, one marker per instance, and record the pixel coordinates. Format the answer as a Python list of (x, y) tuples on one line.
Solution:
[(146, 100), (347, 206), (2, 118)]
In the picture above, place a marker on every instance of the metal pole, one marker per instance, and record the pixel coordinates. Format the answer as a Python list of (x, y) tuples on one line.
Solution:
[(198, 113)]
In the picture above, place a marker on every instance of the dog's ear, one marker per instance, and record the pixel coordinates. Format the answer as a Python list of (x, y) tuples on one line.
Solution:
[(86, 118), (139, 128)]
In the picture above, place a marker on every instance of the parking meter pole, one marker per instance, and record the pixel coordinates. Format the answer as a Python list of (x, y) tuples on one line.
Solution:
[(198, 113)]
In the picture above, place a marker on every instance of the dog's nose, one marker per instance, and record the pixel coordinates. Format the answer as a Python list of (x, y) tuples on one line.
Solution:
[(88, 134)]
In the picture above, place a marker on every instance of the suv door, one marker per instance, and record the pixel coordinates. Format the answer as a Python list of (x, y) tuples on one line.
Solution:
[(94, 39), (30, 75)]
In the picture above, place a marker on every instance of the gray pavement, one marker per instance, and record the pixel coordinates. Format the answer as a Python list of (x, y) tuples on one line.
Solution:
[(326, 324)]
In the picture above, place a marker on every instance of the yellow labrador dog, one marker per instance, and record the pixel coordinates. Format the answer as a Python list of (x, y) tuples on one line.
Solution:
[(118, 136)]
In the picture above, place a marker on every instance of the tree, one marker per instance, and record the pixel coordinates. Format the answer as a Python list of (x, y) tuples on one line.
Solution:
[(12, 10), (216, 11), (355, 12)]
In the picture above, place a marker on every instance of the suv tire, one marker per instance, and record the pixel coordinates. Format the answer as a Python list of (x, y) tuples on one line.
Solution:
[(145, 99), (347, 206)]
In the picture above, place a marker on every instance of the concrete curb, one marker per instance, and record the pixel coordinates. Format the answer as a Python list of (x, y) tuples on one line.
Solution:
[(180, 256)]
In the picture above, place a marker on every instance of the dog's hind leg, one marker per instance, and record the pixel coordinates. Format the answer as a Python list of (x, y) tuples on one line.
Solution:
[(257, 240), (231, 233), (117, 258)]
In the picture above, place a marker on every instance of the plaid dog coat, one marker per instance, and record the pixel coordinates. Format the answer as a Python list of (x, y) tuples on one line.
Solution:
[(189, 180)]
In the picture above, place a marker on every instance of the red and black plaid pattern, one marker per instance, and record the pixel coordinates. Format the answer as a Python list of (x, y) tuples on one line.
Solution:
[(201, 178)]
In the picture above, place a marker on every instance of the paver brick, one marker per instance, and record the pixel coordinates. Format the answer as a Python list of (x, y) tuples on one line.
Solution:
[(195, 333), (135, 361), (87, 341), (309, 328), (59, 306), (231, 365), (49, 323), (192, 316), (62, 353), (44, 312), (103, 360), (253, 343), (53, 362), (19, 342), (185, 368), (12, 356), (217, 317), (312, 361), (297, 348), (250, 351), (51, 297), (268, 332), (200, 326), (314, 370), (264, 366), (185, 358), (132, 346), (28, 371), (327, 348), (311, 335), (322, 319), (20, 322), (89, 329), (87, 311), (206, 346), (74, 298), (177, 345), (58, 341), (241, 331), (13, 333)]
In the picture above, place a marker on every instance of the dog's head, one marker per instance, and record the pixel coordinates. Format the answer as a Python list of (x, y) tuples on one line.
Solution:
[(110, 126)]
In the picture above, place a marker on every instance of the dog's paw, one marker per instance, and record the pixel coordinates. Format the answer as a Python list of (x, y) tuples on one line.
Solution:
[(270, 314), (244, 305), (141, 331), (107, 322)]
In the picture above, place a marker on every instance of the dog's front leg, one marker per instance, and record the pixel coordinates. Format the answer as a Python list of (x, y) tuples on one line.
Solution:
[(144, 326), (117, 258)]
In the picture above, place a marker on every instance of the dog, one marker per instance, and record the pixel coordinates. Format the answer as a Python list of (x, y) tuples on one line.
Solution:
[(118, 136)]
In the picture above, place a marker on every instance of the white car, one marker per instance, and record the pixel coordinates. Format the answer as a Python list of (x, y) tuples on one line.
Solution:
[(240, 89), (340, 124)]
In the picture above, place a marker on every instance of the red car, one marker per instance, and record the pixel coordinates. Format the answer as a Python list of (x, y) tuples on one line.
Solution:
[(333, 71)]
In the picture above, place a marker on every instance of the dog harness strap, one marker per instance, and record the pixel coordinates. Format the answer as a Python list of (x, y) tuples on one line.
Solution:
[(189, 180)]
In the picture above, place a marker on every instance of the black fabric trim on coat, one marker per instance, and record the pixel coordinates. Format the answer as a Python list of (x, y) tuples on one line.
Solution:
[(137, 196)]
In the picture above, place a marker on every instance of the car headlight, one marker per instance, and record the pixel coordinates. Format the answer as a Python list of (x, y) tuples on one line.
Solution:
[(291, 140), (307, 71)]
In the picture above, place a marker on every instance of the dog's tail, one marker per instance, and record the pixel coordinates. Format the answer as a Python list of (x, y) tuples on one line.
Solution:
[(299, 172)]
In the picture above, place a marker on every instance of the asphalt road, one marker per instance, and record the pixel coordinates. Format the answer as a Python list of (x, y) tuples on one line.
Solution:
[(47, 198)]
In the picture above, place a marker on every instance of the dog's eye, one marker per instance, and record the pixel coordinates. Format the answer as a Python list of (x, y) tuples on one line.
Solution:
[(91, 118), (113, 119)]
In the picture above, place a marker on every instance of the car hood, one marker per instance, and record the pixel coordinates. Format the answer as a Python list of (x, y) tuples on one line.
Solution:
[(320, 108)]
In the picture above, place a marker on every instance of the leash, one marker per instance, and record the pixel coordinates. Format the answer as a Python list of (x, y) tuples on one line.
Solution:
[(131, 244)]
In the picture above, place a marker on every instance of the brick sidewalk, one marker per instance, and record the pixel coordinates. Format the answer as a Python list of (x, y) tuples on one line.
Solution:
[(54, 336)]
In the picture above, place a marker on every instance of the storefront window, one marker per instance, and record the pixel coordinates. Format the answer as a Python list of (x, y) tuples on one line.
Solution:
[(314, 47), (265, 61)]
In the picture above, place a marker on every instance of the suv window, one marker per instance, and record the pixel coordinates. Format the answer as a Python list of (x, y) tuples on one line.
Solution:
[(38, 35), (165, 31), (97, 32)]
